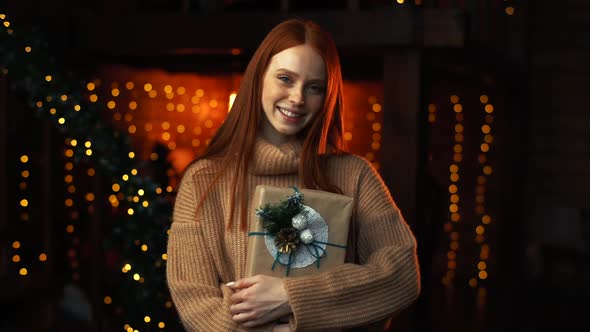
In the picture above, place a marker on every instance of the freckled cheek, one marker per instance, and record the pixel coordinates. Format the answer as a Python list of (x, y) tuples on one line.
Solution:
[(315, 104)]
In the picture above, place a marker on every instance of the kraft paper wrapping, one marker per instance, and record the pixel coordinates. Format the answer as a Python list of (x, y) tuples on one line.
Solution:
[(334, 208)]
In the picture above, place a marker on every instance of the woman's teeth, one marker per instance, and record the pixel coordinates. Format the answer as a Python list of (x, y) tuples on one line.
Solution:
[(289, 114)]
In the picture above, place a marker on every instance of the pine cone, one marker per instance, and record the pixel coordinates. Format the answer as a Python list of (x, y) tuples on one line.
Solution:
[(287, 240)]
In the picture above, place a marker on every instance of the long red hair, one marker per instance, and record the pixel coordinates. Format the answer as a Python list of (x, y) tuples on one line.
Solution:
[(234, 140)]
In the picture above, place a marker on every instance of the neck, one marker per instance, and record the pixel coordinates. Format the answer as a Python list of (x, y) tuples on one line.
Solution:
[(271, 135)]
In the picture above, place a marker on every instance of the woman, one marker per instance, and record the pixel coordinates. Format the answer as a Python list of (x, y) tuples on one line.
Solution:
[(285, 129)]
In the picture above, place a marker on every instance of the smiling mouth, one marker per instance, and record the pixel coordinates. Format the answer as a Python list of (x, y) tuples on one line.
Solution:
[(289, 114)]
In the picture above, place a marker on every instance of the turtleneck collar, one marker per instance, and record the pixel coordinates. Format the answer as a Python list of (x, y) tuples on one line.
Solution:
[(270, 159)]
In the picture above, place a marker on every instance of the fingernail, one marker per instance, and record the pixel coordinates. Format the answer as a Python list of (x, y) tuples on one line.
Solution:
[(230, 284)]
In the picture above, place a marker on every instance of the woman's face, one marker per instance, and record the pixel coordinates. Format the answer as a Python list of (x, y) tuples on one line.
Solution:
[(293, 91)]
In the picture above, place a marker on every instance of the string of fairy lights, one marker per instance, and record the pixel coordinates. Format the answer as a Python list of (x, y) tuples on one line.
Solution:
[(480, 199), (71, 209), (456, 214), (373, 116), (454, 205), (24, 205), (24, 213)]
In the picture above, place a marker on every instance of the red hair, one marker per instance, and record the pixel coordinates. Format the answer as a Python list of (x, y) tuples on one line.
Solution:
[(322, 136)]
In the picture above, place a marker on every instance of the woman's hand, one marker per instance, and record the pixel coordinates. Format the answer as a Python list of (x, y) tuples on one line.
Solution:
[(258, 300)]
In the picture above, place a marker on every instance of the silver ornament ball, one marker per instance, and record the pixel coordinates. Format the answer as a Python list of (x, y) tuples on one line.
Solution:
[(299, 221), (306, 236)]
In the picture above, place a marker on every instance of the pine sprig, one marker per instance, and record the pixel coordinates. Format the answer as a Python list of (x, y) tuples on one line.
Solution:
[(278, 216)]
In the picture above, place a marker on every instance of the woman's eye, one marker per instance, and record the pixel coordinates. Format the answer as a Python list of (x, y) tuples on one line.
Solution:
[(316, 89), (285, 79)]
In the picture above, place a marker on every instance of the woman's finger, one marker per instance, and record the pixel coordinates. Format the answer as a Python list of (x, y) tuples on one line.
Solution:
[(240, 308), (243, 283), (245, 317)]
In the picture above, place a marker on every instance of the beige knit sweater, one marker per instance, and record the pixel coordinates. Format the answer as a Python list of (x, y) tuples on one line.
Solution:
[(203, 255)]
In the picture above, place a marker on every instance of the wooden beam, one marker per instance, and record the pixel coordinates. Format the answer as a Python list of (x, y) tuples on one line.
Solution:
[(167, 34), (3, 176), (399, 153)]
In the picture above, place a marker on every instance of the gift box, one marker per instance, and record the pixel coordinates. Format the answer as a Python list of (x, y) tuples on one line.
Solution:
[(295, 232)]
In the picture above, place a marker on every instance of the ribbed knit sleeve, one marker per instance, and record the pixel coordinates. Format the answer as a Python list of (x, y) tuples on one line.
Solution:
[(386, 280), (197, 291)]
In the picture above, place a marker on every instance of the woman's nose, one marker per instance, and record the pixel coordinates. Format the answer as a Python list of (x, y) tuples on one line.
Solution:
[(296, 96)]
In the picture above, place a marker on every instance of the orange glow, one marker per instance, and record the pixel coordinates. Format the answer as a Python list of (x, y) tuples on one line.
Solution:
[(447, 227), (479, 230), (431, 117), (232, 98), (375, 146), (480, 190), (481, 179), (195, 105), (482, 158), (479, 199)]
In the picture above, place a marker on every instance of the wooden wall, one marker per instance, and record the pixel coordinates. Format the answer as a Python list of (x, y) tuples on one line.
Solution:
[(559, 108)]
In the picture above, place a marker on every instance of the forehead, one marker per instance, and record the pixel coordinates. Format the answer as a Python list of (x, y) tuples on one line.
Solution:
[(303, 60)]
